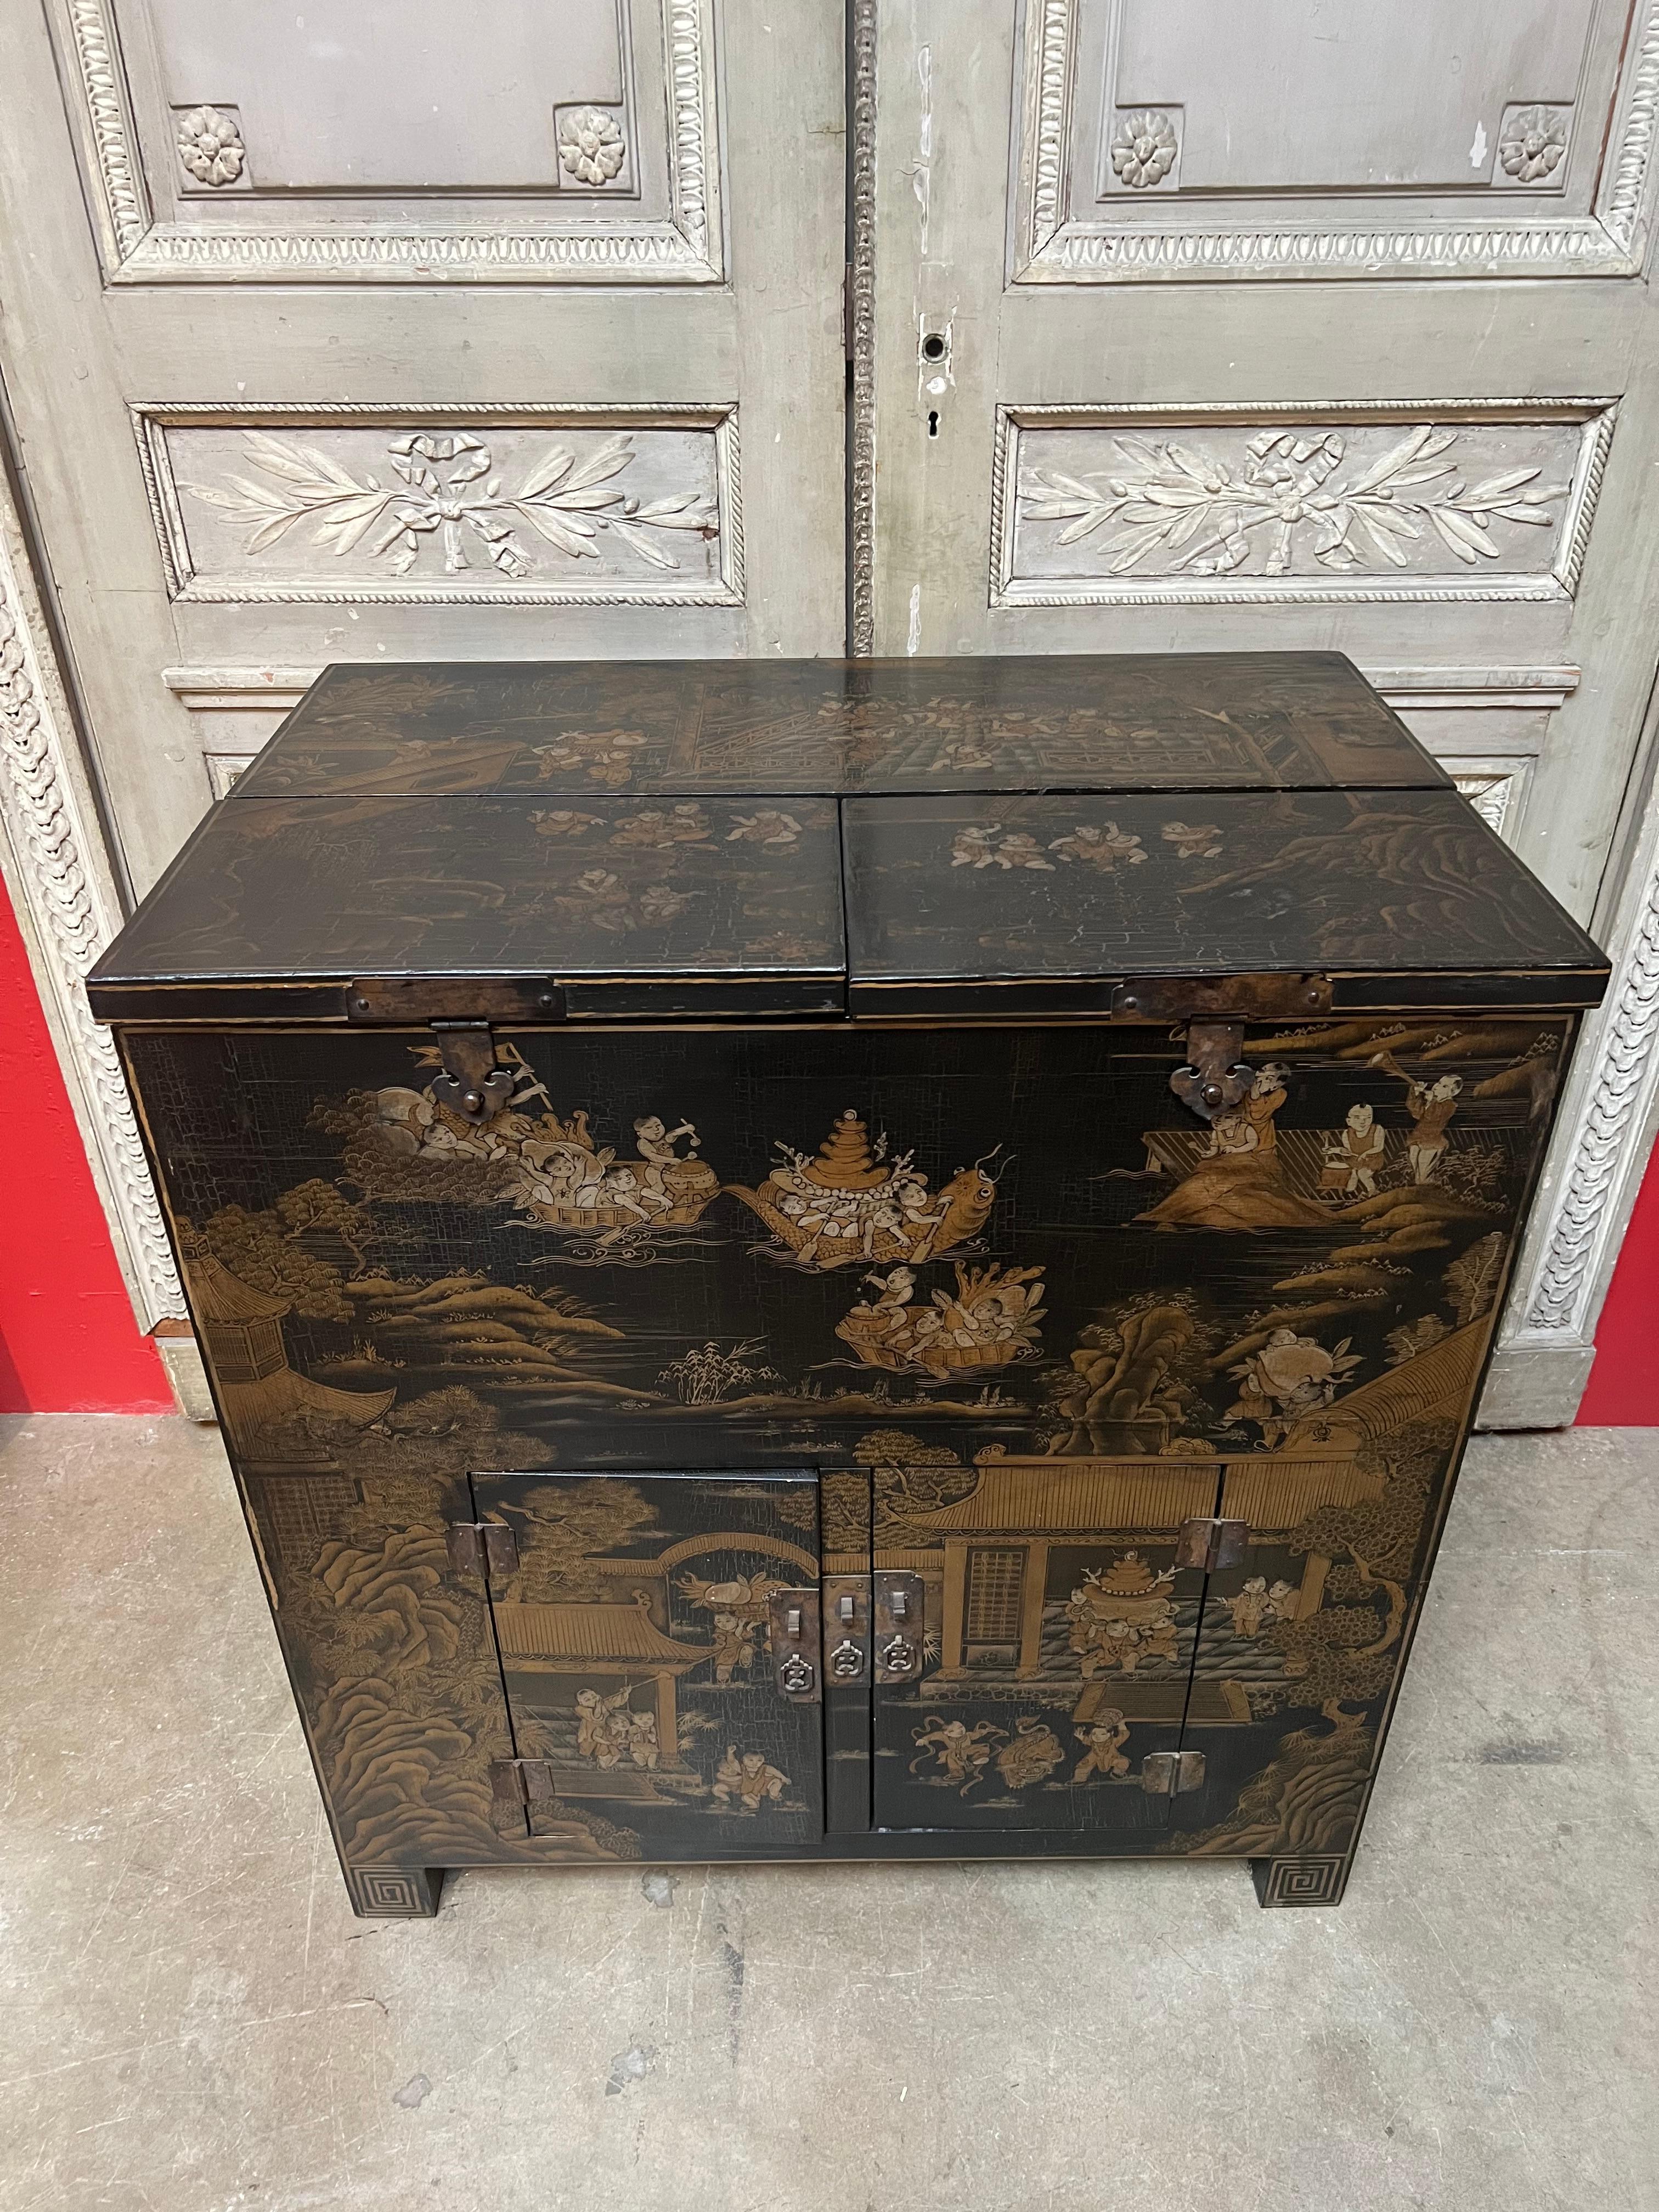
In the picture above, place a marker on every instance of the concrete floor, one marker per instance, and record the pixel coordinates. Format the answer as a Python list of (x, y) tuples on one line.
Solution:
[(191, 2019)]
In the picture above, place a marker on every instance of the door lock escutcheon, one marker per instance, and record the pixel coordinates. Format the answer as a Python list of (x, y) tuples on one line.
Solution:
[(900, 1610), (796, 1635), (846, 1628)]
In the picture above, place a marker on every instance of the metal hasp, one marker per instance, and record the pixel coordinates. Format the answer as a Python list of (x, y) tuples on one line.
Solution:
[(1212, 1546), (474, 1544), (1172, 1773), (1214, 1078), (797, 1643), (899, 1611), (459, 1013), (846, 1630), (471, 1085)]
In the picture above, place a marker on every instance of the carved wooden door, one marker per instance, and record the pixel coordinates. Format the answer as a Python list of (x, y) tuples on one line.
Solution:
[(1312, 323), (354, 330)]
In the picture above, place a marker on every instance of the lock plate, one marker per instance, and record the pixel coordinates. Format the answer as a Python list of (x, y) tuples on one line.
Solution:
[(474, 1544), (520, 1780), (1212, 1546), (846, 1631), (899, 1628), (1172, 1773), (794, 1632), (470, 1085), (1215, 1080)]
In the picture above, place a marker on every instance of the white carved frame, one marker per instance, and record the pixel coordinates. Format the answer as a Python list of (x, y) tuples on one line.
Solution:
[(150, 419), (1597, 418), (1052, 247), (688, 248), (63, 891), (1593, 1171)]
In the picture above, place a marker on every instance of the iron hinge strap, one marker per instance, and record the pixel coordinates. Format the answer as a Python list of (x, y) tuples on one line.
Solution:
[(474, 1545)]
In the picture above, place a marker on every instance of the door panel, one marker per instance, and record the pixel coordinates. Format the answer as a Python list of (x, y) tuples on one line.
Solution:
[(1056, 1647), (637, 1648)]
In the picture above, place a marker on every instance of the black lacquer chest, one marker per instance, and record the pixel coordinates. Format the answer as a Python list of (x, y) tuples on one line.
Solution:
[(871, 1260)]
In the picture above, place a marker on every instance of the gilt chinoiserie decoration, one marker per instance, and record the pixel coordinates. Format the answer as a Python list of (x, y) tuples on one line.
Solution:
[(809, 1260)]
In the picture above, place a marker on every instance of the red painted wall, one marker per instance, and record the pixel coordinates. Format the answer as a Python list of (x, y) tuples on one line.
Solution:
[(68, 1343), (1624, 1384)]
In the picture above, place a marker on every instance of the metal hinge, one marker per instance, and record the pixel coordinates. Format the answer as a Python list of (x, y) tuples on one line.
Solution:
[(1172, 1773), (1212, 1545), (474, 1544), (797, 1643), (520, 1780)]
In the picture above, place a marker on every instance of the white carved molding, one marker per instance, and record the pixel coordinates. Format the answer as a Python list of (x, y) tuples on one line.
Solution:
[(350, 504), (63, 893), (1486, 727), (1160, 239), (625, 247), (1595, 1167), (1352, 502), (861, 333), (1494, 789)]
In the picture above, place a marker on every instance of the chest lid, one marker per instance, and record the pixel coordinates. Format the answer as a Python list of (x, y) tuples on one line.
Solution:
[(1180, 721), (738, 840)]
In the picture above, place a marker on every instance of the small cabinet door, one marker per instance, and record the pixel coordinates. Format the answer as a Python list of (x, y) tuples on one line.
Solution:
[(644, 1636), (1033, 1646)]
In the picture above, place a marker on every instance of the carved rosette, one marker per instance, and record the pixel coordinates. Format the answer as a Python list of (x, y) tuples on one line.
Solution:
[(210, 146), (1144, 149), (591, 148), (1534, 143)]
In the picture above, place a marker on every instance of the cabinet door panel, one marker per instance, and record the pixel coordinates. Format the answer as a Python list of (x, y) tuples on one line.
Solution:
[(637, 1648), (1056, 1647)]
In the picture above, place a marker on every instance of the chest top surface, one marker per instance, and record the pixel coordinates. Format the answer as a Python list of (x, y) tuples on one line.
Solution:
[(1233, 722), (808, 835)]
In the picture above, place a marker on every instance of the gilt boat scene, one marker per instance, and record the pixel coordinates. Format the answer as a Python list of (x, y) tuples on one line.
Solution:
[(1023, 1242)]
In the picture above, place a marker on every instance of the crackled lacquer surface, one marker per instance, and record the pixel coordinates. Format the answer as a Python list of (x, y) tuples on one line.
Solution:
[(1005, 1280)]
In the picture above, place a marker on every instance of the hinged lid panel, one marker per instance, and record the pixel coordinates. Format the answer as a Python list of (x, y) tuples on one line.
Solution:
[(1111, 722), (987, 904), (615, 904)]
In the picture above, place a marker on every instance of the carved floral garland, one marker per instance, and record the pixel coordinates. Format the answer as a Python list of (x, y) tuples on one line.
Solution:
[(568, 503), (1205, 519)]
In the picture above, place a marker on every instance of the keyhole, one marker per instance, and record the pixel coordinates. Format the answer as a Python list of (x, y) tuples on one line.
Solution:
[(932, 423)]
